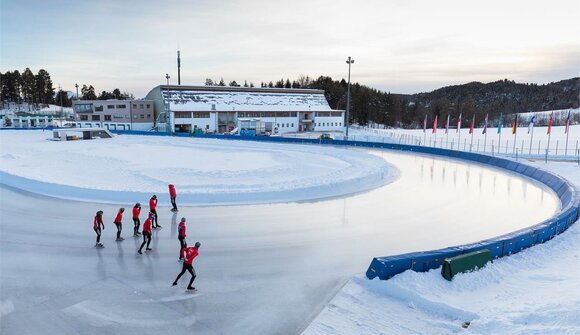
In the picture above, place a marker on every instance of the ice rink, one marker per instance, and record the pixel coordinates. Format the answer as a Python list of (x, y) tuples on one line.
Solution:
[(262, 269)]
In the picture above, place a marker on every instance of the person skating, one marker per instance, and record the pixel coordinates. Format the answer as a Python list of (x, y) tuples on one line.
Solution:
[(119, 223), (181, 234), (97, 224), (190, 254), (173, 195), (146, 233), (152, 209), (136, 222)]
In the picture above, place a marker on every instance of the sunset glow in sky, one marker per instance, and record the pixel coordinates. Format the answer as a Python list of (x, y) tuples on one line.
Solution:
[(398, 46)]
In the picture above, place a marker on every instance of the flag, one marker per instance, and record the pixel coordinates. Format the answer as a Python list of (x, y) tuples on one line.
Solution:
[(485, 125), (550, 122), (435, 125), (531, 125), (425, 124), (515, 125), (567, 123), (447, 124), (499, 124), (458, 123), (472, 124)]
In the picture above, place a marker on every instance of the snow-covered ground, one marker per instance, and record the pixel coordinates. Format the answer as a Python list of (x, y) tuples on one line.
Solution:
[(204, 171), (536, 291), (262, 269)]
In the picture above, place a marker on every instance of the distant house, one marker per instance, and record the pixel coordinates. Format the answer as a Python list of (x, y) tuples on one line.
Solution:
[(115, 114), (32, 120), (217, 109)]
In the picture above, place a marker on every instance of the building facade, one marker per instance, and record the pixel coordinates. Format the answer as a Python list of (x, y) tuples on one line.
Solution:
[(218, 109), (115, 114)]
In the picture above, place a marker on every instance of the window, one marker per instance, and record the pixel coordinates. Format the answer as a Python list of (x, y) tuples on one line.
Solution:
[(84, 117), (117, 116), (107, 117), (83, 108), (148, 116), (201, 115), (293, 125), (142, 116), (340, 124), (98, 108), (127, 116), (182, 115), (135, 116), (287, 125), (148, 106), (339, 114), (96, 117), (278, 125), (110, 106), (135, 105), (141, 106), (121, 106)]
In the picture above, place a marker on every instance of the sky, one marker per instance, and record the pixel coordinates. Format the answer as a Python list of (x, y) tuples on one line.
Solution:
[(399, 46)]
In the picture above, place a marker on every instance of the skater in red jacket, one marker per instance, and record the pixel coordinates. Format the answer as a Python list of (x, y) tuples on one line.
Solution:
[(97, 224), (190, 254), (181, 237), (152, 209), (173, 195), (146, 233), (119, 223), (136, 222)]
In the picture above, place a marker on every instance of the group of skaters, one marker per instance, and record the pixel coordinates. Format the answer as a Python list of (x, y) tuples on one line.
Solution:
[(186, 254)]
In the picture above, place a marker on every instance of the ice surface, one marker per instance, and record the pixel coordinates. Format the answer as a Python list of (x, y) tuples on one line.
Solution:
[(262, 269)]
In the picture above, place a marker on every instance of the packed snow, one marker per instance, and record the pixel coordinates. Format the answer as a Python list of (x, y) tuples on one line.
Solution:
[(533, 292), (204, 171)]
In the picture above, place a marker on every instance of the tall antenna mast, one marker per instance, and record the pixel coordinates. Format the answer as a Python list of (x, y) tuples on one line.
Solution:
[(178, 68)]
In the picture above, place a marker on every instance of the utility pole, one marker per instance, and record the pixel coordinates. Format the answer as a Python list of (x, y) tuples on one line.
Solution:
[(178, 68), (167, 77)]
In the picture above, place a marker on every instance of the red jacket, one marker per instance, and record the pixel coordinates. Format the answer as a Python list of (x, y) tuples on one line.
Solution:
[(172, 192), (118, 218), (181, 229), (152, 203), (147, 226), (190, 254), (136, 212), (98, 221)]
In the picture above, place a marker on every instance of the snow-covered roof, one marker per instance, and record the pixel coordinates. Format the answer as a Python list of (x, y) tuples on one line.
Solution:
[(240, 99)]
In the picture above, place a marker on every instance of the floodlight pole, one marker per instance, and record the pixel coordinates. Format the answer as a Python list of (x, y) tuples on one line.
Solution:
[(348, 61), (167, 77)]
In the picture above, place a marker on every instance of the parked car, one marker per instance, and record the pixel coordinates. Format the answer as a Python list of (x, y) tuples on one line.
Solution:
[(326, 136)]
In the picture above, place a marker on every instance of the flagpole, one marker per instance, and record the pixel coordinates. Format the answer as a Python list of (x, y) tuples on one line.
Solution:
[(499, 132), (515, 132), (472, 131), (459, 133), (531, 139), (485, 129), (567, 129)]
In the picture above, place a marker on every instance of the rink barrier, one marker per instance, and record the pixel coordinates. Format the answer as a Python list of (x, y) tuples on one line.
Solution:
[(504, 245)]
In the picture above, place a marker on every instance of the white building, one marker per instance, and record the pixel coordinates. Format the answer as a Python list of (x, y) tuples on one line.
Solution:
[(30, 120), (115, 114), (216, 109)]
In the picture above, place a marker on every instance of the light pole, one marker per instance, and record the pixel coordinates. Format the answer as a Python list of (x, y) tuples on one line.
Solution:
[(348, 61), (167, 77), (77, 87)]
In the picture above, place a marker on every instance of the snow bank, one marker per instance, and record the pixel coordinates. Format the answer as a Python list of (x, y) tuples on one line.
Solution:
[(127, 168), (532, 292)]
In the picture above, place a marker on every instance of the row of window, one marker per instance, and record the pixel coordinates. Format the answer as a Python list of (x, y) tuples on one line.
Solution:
[(327, 114), (267, 114), (288, 125), (116, 116), (188, 115), (329, 124), (89, 107)]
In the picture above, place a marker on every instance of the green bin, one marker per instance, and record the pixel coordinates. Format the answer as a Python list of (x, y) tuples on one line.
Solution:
[(465, 263)]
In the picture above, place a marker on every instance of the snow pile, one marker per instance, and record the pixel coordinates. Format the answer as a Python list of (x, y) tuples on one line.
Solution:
[(533, 292), (204, 171)]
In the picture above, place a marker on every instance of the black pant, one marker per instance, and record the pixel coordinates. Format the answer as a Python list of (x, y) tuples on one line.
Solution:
[(137, 223), (187, 267), (98, 231), (119, 228), (173, 203), (183, 244), (146, 239), (154, 222)]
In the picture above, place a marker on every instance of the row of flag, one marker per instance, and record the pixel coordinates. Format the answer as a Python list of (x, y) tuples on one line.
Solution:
[(499, 125)]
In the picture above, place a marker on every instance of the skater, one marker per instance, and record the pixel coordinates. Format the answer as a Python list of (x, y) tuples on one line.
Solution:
[(173, 195), (136, 222), (97, 224), (181, 236), (190, 254), (119, 223), (146, 233), (152, 209)]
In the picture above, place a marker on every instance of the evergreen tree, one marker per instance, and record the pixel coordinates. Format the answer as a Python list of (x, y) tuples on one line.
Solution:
[(28, 86), (209, 82), (88, 93), (233, 83), (66, 101), (270, 84), (246, 83), (280, 83), (222, 82), (288, 84)]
